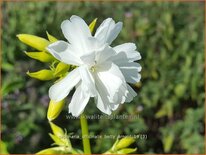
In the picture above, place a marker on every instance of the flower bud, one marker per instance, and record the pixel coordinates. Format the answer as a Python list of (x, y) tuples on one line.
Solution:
[(56, 130), (92, 25), (61, 69), (126, 151), (41, 56), (51, 38), (124, 142), (34, 41), (43, 74), (54, 109), (53, 150), (59, 140), (59, 137)]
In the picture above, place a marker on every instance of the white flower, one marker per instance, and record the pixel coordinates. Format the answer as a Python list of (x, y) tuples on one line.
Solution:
[(101, 72)]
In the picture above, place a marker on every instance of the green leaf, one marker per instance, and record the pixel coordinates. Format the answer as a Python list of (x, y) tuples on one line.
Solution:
[(7, 66), (11, 86), (167, 142)]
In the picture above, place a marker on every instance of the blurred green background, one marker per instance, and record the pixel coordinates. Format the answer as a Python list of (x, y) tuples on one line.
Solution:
[(170, 101)]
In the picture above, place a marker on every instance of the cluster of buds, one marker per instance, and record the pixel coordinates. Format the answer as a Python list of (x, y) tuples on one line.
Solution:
[(121, 146), (62, 141), (57, 70)]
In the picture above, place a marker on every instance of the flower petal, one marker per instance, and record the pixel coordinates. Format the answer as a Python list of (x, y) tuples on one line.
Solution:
[(64, 52), (101, 102), (104, 54), (88, 59), (131, 94), (110, 94), (78, 102), (109, 88), (87, 81), (130, 50), (130, 71), (61, 89), (108, 31), (76, 31)]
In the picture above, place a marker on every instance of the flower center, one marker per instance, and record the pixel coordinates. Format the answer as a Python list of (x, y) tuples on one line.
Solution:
[(93, 68)]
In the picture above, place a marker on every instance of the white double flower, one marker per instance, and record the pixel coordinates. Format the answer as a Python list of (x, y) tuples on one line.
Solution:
[(102, 71)]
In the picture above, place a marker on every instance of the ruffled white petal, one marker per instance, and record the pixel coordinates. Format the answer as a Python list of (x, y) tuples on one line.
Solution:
[(79, 101), (130, 71), (130, 51), (111, 87), (64, 52), (118, 58), (89, 59), (108, 31), (87, 81), (102, 103), (131, 94), (94, 44), (61, 89), (104, 54), (76, 31)]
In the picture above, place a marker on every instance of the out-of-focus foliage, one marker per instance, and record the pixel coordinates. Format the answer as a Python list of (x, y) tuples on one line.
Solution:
[(170, 101)]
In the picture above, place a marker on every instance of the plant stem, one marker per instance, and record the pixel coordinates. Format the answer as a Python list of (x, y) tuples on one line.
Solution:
[(85, 134)]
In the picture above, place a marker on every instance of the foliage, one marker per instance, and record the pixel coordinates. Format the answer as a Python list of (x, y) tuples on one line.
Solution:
[(170, 101)]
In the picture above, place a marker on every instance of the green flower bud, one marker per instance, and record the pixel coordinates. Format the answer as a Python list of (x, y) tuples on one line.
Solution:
[(126, 151), (56, 130), (51, 38), (43, 74), (61, 141), (59, 137), (53, 150), (92, 25), (34, 41), (41, 56), (61, 68), (124, 142), (54, 109)]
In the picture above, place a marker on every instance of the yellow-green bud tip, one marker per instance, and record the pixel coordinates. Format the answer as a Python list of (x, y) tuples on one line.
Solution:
[(54, 109), (125, 142)]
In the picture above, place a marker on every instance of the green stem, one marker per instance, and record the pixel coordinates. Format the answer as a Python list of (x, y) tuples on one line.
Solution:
[(85, 134)]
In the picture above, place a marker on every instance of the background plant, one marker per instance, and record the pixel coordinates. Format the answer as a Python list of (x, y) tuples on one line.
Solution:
[(170, 102)]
